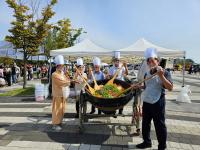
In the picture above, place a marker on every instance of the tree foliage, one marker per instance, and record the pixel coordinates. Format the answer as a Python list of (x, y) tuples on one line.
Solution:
[(62, 35), (28, 32)]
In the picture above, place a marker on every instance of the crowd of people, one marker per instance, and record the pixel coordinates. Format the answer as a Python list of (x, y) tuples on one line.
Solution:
[(11, 74), (194, 69)]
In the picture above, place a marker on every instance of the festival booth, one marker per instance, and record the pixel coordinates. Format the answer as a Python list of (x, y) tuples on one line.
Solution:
[(88, 48), (84, 48)]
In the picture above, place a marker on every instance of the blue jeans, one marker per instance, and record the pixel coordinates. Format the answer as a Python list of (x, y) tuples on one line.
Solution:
[(14, 78)]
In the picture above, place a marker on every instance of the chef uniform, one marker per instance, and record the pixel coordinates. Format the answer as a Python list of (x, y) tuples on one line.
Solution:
[(59, 81), (98, 74), (153, 98), (81, 85), (114, 68)]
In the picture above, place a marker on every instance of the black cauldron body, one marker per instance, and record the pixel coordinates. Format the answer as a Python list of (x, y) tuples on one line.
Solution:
[(110, 104)]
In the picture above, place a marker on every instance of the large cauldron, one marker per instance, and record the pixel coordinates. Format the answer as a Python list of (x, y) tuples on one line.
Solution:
[(110, 104)]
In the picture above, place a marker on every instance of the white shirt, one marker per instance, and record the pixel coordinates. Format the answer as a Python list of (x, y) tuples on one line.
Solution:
[(81, 86), (120, 76)]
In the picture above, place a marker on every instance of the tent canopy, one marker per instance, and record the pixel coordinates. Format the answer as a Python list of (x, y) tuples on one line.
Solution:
[(138, 48), (84, 48), (88, 48)]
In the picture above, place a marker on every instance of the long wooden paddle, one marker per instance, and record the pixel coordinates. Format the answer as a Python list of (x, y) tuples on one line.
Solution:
[(132, 86), (92, 91), (96, 86), (110, 82)]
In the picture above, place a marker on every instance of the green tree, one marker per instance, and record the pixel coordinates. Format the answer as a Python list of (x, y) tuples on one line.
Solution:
[(62, 35), (6, 60), (28, 32)]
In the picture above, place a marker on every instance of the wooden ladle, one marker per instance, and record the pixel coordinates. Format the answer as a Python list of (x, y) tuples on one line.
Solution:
[(96, 86), (110, 82), (132, 86)]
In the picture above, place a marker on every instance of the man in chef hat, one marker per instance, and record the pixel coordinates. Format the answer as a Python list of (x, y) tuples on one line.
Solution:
[(116, 65), (80, 84), (59, 81), (98, 74), (153, 98), (123, 72)]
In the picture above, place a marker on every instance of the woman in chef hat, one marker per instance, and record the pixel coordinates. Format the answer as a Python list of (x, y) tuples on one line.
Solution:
[(123, 72), (81, 85), (59, 81)]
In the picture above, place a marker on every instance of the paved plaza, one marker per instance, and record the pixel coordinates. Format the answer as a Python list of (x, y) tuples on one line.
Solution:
[(26, 125)]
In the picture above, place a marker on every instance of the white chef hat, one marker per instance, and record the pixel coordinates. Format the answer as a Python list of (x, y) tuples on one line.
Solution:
[(97, 61), (150, 52), (117, 54), (59, 60), (79, 62)]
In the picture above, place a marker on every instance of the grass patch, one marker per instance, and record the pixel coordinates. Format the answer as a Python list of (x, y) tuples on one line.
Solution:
[(20, 92)]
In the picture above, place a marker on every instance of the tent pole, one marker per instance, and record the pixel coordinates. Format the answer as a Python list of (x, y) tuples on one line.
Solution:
[(50, 67), (183, 84)]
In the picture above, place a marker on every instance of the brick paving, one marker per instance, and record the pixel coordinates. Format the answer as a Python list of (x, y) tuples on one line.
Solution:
[(26, 125)]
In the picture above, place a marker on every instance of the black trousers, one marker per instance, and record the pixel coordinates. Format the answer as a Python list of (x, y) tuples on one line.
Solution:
[(77, 107), (157, 113)]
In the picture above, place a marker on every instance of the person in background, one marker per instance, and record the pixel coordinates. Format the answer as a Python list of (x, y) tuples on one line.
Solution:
[(190, 71), (14, 72), (8, 75), (106, 73), (80, 84), (153, 98), (2, 80), (38, 70), (98, 74), (17, 72), (30, 72), (53, 69), (44, 71), (1, 71), (123, 72), (59, 81)]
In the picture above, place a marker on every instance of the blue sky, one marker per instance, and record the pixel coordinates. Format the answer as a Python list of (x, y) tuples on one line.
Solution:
[(116, 24)]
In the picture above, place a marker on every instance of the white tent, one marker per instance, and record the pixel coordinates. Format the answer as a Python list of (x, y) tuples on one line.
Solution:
[(138, 48), (84, 48)]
